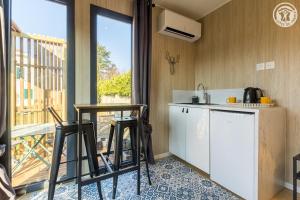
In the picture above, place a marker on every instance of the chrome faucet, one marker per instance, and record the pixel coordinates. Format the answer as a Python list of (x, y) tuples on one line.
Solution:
[(205, 94)]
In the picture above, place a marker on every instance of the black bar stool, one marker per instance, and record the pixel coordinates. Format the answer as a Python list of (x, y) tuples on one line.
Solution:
[(63, 130), (296, 175), (118, 125)]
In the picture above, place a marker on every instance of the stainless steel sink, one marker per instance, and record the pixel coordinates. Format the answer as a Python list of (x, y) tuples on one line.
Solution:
[(200, 104)]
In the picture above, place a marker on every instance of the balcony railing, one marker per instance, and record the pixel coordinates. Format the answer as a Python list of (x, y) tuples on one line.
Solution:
[(37, 80)]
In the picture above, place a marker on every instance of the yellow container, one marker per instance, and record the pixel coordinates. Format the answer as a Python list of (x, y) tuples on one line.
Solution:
[(265, 100), (231, 100)]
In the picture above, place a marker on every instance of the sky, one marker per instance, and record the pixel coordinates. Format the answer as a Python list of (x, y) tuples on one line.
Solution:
[(116, 37), (40, 17), (48, 18)]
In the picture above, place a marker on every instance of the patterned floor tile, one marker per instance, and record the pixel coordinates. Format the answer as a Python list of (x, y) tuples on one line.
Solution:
[(172, 180)]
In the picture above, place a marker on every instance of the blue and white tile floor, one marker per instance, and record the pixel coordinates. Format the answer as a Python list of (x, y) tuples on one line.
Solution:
[(171, 180)]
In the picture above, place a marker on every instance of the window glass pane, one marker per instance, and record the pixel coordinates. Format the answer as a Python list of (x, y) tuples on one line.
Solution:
[(38, 80), (113, 61), (114, 55)]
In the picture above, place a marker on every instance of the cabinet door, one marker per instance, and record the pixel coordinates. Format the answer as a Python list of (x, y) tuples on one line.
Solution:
[(232, 151), (197, 139), (177, 131)]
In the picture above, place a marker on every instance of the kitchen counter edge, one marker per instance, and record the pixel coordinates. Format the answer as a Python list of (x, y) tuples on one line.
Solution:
[(225, 107)]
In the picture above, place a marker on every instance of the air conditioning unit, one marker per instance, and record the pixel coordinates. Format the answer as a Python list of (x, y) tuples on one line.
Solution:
[(179, 26)]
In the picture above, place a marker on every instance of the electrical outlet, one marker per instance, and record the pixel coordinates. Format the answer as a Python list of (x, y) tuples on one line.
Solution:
[(270, 65), (260, 66)]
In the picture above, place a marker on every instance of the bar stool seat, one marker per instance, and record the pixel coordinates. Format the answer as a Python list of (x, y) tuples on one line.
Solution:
[(118, 125), (63, 130), (125, 120)]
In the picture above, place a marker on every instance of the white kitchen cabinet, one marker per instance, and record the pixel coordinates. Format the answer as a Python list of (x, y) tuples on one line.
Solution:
[(177, 136), (247, 150), (197, 138), (243, 149), (189, 135), (232, 151)]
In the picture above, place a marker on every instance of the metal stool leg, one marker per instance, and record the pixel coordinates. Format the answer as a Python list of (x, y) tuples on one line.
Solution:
[(56, 157), (146, 156), (138, 150), (294, 178), (118, 154), (132, 131), (91, 149), (99, 190), (111, 135), (88, 152)]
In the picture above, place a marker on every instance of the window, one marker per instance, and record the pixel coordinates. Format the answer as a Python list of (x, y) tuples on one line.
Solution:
[(113, 60), (111, 56), (41, 43), (111, 64)]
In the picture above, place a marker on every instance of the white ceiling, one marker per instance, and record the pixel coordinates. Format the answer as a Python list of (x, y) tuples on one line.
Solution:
[(195, 9)]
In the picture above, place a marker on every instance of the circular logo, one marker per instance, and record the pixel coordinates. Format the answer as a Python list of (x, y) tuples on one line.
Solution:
[(285, 15)]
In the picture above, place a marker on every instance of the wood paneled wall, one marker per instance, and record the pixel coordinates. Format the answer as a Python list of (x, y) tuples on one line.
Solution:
[(241, 34), (162, 83)]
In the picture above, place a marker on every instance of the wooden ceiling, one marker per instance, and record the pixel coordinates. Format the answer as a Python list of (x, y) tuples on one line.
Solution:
[(195, 9)]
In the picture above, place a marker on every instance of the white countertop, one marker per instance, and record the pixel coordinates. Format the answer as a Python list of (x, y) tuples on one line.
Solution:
[(225, 107)]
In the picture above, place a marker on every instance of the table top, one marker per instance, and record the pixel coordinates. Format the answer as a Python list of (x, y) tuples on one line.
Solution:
[(32, 129), (107, 107)]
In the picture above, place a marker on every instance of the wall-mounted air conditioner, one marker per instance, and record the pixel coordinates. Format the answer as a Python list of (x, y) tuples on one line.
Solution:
[(179, 26)]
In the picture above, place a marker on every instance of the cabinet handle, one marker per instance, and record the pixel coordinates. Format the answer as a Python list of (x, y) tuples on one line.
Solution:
[(183, 110), (187, 110)]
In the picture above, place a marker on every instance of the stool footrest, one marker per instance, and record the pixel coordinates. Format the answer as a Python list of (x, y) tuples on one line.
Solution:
[(70, 178), (109, 175)]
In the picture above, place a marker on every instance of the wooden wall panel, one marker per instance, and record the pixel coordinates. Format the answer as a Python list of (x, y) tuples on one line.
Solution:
[(241, 34), (162, 83)]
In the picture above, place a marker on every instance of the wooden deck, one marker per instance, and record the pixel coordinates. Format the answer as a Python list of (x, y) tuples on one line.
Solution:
[(34, 171)]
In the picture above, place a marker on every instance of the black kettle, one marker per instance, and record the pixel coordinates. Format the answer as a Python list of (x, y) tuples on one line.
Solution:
[(252, 95)]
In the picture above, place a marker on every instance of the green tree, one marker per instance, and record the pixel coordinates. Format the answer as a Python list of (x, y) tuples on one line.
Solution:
[(110, 81), (105, 68), (117, 85)]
